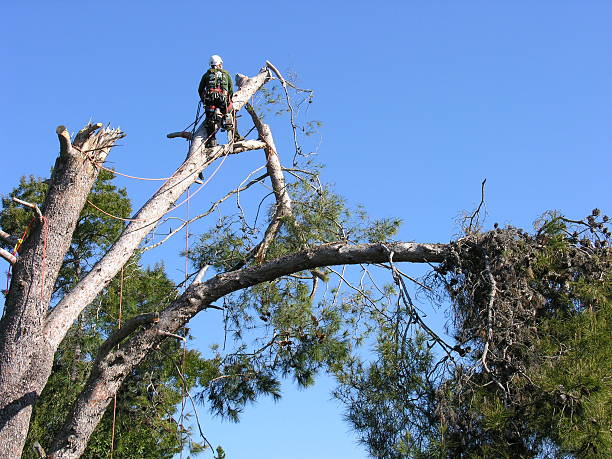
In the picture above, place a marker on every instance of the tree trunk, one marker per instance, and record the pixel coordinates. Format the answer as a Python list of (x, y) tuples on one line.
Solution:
[(25, 356)]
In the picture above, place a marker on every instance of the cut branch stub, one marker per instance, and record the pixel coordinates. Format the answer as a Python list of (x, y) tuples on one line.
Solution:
[(8, 256)]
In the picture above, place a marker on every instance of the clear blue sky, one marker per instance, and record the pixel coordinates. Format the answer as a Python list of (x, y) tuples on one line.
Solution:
[(420, 101)]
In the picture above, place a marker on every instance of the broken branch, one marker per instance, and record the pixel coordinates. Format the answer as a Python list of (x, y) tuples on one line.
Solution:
[(8, 256), (8, 238), (31, 206), (64, 140)]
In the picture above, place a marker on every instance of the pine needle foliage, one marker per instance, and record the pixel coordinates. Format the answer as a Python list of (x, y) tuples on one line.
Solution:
[(531, 372)]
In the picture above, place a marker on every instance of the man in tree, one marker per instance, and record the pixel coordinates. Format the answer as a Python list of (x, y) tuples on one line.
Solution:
[(216, 91)]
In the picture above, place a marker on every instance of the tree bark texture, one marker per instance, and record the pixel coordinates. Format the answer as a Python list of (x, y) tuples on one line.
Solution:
[(25, 356)]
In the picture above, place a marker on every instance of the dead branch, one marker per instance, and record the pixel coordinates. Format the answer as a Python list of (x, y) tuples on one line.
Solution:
[(285, 82), (294, 126), (85, 133), (64, 140), (475, 216), (200, 275), (8, 238), (412, 279), (8, 256), (275, 171), (32, 206), (173, 335), (181, 135), (491, 300)]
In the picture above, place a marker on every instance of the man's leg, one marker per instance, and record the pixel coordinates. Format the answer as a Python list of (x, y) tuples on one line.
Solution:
[(211, 127)]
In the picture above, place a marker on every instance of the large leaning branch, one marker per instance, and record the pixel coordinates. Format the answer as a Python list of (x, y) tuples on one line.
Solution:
[(68, 309), (111, 368)]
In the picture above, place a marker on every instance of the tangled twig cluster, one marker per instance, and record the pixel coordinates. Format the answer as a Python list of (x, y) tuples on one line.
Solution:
[(503, 285)]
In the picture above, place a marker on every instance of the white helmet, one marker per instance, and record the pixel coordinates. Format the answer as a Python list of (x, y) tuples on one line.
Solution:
[(215, 60)]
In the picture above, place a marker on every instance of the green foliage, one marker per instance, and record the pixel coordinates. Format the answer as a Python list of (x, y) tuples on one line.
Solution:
[(394, 414), (281, 328), (95, 231), (535, 308)]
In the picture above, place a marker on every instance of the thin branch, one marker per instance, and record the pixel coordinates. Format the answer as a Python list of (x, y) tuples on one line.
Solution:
[(288, 83), (360, 291), (411, 309), (8, 238), (412, 279), (195, 411), (211, 209), (476, 214), (34, 207), (8, 256), (291, 111), (173, 335)]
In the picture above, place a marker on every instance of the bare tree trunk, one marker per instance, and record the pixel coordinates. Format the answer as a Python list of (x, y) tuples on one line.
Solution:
[(25, 356)]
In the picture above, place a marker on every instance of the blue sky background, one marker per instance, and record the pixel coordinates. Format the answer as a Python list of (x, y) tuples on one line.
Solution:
[(420, 101)]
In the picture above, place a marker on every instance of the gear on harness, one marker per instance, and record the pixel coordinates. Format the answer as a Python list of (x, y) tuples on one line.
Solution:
[(216, 90)]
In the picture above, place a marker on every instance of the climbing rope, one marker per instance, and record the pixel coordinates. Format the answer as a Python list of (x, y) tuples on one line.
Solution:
[(14, 253), (173, 208)]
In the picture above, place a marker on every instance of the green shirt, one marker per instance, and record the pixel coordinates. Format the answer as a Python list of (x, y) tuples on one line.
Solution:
[(216, 78)]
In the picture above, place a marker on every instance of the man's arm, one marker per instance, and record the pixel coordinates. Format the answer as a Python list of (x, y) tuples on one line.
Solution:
[(230, 84), (202, 87)]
